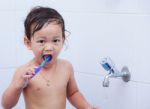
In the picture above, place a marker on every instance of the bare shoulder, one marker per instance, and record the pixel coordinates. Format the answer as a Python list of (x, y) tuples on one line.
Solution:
[(20, 70), (65, 63), (66, 66)]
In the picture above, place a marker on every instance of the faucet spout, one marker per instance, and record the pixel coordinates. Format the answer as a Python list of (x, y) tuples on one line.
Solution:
[(106, 80)]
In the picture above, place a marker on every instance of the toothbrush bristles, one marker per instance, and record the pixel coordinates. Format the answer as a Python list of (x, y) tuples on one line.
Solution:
[(48, 58)]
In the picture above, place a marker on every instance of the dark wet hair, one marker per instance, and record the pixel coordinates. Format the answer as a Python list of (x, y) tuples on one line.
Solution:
[(39, 16)]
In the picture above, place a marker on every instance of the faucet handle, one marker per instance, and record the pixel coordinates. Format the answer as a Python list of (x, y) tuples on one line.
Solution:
[(126, 74)]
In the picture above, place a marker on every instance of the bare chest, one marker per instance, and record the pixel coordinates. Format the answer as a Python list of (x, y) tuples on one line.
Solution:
[(48, 86)]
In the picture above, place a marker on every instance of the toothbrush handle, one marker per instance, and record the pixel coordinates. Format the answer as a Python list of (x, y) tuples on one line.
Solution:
[(36, 70)]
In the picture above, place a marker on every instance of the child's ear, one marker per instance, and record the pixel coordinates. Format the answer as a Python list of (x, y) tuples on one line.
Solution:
[(27, 42), (63, 40)]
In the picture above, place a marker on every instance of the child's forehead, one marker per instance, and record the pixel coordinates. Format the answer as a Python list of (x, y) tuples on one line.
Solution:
[(37, 25), (49, 31), (54, 23)]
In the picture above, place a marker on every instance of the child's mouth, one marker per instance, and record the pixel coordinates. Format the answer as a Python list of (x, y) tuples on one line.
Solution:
[(47, 57)]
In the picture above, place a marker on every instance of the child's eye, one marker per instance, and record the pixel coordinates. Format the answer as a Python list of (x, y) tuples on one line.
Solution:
[(41, 41), (56, 40)]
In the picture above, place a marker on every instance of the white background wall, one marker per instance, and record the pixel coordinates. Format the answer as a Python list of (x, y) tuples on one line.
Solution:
[(119, 29)]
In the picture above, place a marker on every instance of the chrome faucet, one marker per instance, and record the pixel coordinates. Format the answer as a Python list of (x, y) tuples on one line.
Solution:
[(109, 66)]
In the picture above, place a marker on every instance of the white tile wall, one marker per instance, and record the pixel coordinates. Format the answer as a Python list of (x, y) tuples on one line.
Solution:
[(5, 79), (143, 6), (23, 53), (141, 48), (7, 42), (99, 28), (7, 5), (143, 96)]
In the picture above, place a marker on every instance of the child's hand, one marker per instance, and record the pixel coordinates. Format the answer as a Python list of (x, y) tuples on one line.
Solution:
[(25, 77)]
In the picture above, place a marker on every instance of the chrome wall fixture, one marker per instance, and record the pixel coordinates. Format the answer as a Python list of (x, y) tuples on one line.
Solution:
[(109, 66)]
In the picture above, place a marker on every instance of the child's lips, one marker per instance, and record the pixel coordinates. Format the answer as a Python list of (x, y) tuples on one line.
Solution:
[(46, 55)]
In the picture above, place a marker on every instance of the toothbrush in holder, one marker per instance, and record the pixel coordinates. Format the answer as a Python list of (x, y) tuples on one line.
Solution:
[(46, 59)]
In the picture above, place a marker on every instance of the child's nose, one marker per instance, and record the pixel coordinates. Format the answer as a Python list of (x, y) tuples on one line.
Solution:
[(49, 47)]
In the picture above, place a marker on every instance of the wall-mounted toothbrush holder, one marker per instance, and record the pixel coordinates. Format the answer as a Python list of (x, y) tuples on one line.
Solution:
[(109, 66)]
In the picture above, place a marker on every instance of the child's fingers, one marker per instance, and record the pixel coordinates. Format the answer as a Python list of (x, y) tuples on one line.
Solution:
[(26, 77), (33, 70), (28, 74)]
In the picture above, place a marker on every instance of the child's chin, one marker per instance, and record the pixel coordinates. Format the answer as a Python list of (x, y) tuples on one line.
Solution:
[(48, 64)]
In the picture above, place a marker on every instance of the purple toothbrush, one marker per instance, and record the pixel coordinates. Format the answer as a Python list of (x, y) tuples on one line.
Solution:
[(46, 59)]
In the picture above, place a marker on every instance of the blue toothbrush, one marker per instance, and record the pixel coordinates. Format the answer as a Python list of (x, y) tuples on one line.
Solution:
[(107, 64), (46, 59)]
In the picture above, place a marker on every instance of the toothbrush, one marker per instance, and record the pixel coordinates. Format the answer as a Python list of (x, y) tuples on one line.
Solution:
[(107, 64), (46, 59)]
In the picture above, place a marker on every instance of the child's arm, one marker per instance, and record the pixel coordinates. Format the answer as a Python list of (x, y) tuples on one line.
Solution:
[(74, 96), (11, 97), (13, 92), (78, 101)]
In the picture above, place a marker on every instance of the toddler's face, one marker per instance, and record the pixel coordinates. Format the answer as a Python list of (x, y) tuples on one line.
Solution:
[(47, 41)]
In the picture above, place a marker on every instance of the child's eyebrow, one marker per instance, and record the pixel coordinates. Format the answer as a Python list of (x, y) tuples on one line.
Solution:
[(44, 37), (56, 37)]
